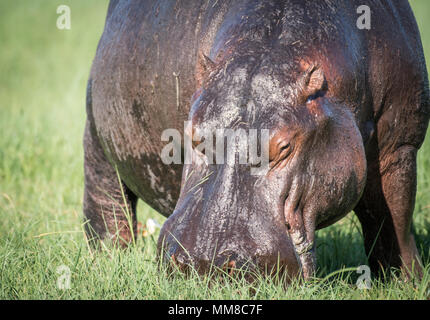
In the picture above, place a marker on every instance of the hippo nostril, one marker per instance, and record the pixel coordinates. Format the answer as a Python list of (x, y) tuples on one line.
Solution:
[(232, 267), (179, 262), (174, 262), (229, 267)]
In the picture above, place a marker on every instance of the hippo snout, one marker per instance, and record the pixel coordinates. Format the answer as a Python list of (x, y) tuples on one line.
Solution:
[(226, 241), (229, 262)]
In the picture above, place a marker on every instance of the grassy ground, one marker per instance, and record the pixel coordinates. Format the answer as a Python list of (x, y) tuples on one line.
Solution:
[(42, 92)]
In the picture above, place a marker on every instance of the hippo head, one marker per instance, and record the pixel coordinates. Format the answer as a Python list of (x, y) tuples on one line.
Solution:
[(231, 213)]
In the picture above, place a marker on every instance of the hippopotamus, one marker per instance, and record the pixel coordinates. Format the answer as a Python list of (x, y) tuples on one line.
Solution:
[(346, 109)]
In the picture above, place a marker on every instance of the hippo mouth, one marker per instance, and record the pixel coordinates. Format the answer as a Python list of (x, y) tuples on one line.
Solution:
[(214, 228)]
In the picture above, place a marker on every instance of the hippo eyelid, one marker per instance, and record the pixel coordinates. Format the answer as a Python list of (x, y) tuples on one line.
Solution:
[(313, 97), (286, 146), (283, 152)]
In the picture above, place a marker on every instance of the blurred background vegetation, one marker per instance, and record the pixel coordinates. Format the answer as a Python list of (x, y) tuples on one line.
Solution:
[(43, 74)]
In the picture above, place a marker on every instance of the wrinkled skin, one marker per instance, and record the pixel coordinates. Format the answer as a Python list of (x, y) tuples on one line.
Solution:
[(347, 110)]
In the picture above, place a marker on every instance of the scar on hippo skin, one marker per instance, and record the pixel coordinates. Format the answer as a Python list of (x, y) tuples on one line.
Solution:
[(176, 75)]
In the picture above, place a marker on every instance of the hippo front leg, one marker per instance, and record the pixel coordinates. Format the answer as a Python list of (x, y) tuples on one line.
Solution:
[(109, 206), (105, 200), (385, 211)]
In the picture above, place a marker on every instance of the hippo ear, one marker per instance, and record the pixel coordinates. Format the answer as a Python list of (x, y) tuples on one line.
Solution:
[(313, 81), (207, 63), (316, 79), (204, 68)]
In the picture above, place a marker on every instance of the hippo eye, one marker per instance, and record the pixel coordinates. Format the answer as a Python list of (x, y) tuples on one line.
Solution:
[(285, 147), (284, 151)]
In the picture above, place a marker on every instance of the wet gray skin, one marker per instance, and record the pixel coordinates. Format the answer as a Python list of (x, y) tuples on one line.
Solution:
[(229, 216), (343, 128)]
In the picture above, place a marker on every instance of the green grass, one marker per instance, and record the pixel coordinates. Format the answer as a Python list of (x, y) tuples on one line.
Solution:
[(42, 94)]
